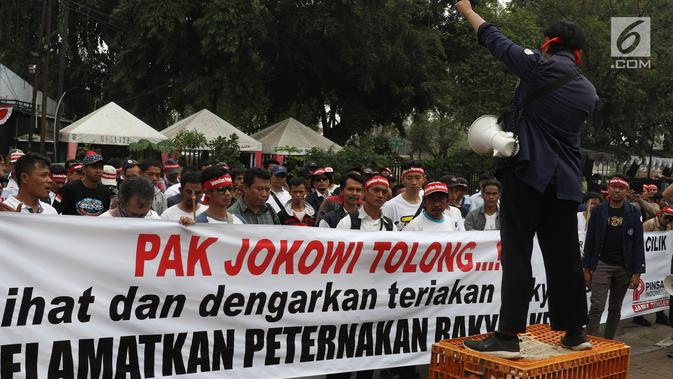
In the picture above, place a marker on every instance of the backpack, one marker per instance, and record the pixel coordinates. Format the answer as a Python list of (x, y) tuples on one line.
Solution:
[(356, 223)]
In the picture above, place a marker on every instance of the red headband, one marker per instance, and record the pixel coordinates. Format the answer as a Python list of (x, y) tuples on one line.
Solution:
[(76, 166), (377, 180), (548, 41), (412, 170), (58, 177), (221, 181), (435, 187), (171, 166), (619, 182), (109, 175)]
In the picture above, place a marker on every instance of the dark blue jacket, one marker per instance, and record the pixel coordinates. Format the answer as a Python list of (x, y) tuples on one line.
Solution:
[(634, 248), (550, 128)]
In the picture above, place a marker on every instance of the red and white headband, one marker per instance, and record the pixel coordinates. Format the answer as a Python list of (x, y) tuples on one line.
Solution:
[(171, 166), (58, 177), (619, 182), (435, 187), (418, 170), (221, 181), (75, 167), (377, 180)]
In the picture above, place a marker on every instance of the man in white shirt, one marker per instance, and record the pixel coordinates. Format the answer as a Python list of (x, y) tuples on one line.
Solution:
[(135, 200), (591, 199), (403, 207), (369, 217), (191, 191), (435, 216), (32, 178), (12, 188), (279, 196)]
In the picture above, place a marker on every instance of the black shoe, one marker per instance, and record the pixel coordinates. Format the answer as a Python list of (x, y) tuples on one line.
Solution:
[(499, 347), (642, 321), (576, 340), (662, 319)]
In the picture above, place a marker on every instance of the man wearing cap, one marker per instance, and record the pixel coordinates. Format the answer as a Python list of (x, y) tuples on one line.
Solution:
[(279, 196), (191, 192), (487, 216), (252, 207), (614, 255), (369, 217), (88, 196), (320, 181), (172, 172), (458, 186), (663, 221), (542, 182), (218, 188), (32, 174), (434, 216), (402, 208), (58, 177), (12, 187)]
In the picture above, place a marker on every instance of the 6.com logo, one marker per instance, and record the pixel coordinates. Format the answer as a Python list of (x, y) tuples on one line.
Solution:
[(630, 42)]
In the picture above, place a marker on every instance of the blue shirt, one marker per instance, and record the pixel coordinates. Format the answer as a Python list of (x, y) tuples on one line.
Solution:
[(550, 127)]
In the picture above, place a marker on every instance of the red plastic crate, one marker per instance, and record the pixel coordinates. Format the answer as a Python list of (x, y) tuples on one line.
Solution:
[(607, 359)]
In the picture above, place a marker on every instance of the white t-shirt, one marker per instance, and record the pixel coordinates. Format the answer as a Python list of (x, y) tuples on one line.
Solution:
[(581, 222), (151, 215), (283, 196), (173, 190), (423, 223), (490, 221), (477, 200), (174, 212), (454, 215), (400, 210), (11, 189), (235, 220), (367, 223), (46, 208)]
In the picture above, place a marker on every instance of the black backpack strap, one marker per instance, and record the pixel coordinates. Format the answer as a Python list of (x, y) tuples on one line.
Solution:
[(387, 223), (282, 213), (355, 220), (275, 198), (550, 87)]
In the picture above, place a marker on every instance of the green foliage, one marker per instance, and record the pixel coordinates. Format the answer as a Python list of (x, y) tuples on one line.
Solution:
[(223, 149), (189, 140)]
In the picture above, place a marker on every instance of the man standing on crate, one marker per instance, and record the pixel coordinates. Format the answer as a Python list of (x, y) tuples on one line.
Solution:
[(541, 184)]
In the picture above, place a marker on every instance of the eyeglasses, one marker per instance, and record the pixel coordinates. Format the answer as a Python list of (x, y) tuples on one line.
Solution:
[(223, 189)]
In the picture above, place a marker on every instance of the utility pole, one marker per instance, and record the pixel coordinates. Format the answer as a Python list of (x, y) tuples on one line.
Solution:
[(61, 71), (33, 70), (45, 79)]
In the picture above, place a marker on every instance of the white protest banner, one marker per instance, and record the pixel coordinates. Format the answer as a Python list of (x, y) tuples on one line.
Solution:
[(84, 296)]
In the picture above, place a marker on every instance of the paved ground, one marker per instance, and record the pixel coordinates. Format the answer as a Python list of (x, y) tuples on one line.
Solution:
[(648, 361)]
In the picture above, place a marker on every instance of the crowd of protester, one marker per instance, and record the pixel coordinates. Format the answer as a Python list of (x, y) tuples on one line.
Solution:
[(360, 198)]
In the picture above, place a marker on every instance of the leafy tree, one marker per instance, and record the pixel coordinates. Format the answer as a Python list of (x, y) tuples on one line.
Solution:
[(223, 149)]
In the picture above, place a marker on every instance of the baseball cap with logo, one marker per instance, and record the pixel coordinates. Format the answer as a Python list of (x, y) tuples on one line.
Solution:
[(93, 158), (109, 176), (279, 170)]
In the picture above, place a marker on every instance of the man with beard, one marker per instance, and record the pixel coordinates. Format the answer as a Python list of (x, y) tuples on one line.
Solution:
[(88, 196)]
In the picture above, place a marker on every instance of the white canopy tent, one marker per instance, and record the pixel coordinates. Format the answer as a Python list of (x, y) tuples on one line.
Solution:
[(294, 135), (110, 125), (212, 126)]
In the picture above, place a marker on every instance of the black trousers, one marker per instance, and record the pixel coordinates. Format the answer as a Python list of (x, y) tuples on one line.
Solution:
[(523, 213)]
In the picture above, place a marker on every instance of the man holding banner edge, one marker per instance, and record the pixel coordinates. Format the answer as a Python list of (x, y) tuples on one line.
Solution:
[(541, 183)]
